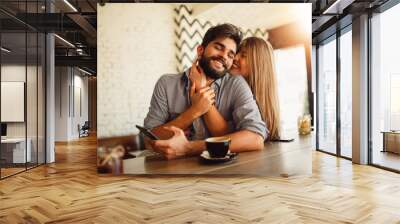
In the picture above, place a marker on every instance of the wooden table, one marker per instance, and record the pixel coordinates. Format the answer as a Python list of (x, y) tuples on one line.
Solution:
[(391, 141), (277, 159)]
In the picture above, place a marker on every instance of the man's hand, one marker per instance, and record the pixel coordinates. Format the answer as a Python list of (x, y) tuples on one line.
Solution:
[(175, 147)]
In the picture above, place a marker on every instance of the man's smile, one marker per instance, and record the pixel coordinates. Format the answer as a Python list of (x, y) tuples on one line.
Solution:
[(218, 63)]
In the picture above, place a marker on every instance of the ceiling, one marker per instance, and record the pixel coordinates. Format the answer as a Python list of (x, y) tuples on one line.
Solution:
[(72, 20)]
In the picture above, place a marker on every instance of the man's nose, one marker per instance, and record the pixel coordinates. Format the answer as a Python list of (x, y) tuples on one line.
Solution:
[(225, 55)]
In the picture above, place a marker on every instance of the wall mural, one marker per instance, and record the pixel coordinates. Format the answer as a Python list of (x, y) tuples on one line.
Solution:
[(127, 76), (189, 32)]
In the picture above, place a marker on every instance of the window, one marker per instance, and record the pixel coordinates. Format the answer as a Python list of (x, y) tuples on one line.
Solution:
[(385, 88), (394, 101), (346, 93), (22, 66), (326, 136), (293, 105)]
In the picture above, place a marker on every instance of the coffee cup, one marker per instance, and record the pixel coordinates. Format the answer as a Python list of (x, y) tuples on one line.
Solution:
[(218, 147)]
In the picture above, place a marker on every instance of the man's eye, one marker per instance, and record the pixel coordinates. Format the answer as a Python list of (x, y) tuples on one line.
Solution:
[(231, 56), (218, 47)]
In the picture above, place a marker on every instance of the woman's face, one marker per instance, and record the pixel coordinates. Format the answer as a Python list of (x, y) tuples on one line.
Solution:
[(239, 66)]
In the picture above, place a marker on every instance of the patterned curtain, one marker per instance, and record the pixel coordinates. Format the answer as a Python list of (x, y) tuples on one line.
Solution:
[(189, 33)]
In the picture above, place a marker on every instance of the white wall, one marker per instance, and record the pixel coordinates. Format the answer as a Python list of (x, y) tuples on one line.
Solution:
[(33, 127), (14, 73), (61, 103), (135, 47), (79, 117), (66, 119), (10, 73)]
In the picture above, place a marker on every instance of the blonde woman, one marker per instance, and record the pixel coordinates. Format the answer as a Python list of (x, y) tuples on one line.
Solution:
[(255, 62)]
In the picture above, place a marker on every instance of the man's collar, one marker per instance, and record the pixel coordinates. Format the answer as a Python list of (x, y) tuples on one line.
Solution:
[(185, 78)]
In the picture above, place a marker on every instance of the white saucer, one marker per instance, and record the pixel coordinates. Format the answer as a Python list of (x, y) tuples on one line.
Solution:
[(206, 156)]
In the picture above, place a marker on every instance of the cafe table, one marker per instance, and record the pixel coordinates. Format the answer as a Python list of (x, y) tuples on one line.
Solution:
[(277, 159)]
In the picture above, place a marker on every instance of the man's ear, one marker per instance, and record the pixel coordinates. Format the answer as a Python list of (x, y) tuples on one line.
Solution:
[(200, 50)]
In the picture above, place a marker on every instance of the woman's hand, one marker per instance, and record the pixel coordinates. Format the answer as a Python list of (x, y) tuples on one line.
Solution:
[(197, 76), (202, 100)]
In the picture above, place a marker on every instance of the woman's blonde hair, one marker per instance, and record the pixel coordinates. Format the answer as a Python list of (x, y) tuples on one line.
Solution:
[(262, 81)]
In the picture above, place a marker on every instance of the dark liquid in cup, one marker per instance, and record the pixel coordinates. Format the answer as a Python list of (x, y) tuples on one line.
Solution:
[(218, 147)]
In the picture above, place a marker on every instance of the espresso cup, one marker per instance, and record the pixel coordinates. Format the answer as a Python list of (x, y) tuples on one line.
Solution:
[(218, 147)]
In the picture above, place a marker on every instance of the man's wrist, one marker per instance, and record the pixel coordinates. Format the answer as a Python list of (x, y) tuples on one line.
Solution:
[(209, 110), (194, 113), (196, 147)]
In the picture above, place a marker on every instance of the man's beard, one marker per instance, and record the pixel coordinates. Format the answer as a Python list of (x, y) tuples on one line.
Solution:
[(205, 64)]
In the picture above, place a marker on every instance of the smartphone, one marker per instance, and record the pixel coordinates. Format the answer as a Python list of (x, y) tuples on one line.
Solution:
[(147, 132), (283, 140), (286, 140)]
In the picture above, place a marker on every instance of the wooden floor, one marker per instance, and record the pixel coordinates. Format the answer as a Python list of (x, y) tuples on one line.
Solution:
[(10, 171), (387, 159), (70, 191)]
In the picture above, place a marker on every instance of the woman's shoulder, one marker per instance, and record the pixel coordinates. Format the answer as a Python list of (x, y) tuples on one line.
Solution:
[(235, 79)]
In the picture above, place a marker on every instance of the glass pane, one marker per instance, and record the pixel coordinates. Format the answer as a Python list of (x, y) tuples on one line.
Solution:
[(41, 98), (327, 96), (32, 85), (31, 100), (23, 92), (386, 89), (346, 94), (13, 87)]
